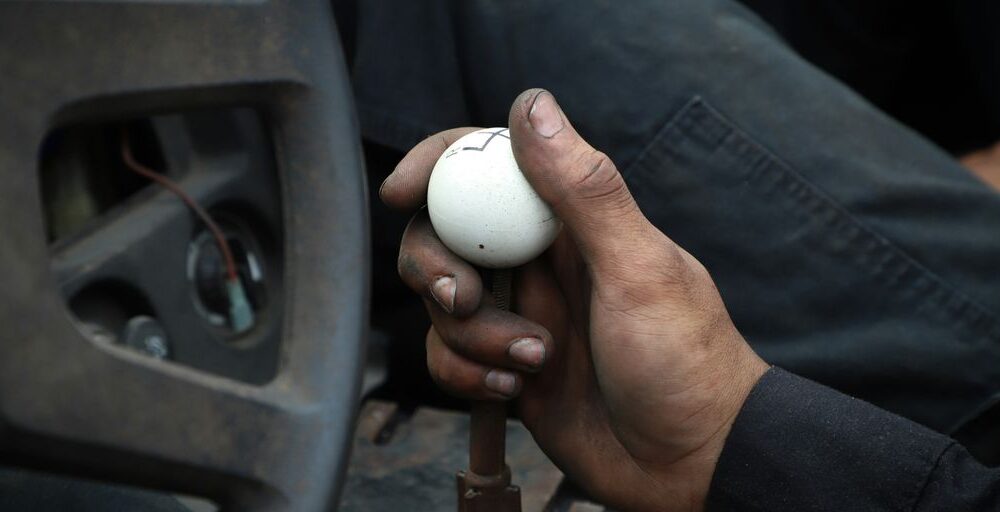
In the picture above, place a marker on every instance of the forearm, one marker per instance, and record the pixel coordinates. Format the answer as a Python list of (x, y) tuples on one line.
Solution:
[(797, 445)]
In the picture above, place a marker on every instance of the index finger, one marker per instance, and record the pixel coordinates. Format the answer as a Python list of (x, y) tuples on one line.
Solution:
[(406, 187)]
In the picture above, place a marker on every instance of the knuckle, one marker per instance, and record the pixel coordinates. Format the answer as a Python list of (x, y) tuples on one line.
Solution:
[(698, 273), (674, 266), (433, 359), (443, 373), (597, 177), (459, 337), (684, 280), (404, 262), (446, 377), (440, 141), (407, 267), (663, 274), (674, 274)]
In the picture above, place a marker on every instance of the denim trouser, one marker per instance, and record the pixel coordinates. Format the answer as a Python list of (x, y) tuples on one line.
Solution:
[(847, 248)]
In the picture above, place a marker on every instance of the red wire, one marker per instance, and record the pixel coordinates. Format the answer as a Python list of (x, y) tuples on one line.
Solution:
[(220, 238)]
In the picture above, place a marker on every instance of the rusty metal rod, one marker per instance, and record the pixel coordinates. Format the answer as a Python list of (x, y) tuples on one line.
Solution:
[(487, 438), (486, 486), (488, 430)]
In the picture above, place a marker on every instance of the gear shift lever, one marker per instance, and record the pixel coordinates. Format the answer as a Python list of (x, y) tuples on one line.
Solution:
[(486, 212)]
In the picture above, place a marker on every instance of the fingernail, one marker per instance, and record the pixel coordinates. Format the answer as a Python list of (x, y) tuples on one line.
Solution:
[(443, 290), (545, 116), (502, 382), (528, 351)]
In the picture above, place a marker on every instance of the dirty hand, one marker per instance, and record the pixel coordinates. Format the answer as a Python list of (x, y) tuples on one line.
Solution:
[(626, 365)]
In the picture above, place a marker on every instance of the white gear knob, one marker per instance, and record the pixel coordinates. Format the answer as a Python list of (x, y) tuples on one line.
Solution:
[(483, 208)]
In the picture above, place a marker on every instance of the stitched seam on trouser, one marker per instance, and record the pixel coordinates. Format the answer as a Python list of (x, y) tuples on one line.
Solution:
[(848, 237)]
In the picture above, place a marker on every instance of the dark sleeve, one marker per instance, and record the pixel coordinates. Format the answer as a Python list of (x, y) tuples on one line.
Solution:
[(797, 445)]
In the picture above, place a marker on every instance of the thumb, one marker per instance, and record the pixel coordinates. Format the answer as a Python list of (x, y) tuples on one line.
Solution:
[(580, 183)]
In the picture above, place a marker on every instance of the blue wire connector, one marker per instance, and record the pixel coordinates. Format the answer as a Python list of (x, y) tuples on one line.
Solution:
[(240, 312)]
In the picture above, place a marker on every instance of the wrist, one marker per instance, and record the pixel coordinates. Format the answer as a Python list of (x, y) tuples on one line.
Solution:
[(686, 482)]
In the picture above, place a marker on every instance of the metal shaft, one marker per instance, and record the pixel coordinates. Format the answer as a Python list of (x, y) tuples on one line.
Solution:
[(488, 430), (487, 438), (486, 487)]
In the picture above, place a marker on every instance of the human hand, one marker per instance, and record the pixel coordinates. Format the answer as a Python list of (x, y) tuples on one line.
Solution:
[(627, 368)]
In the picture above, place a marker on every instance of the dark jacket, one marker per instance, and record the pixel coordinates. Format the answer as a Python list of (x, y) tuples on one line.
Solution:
[(799, 446)]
